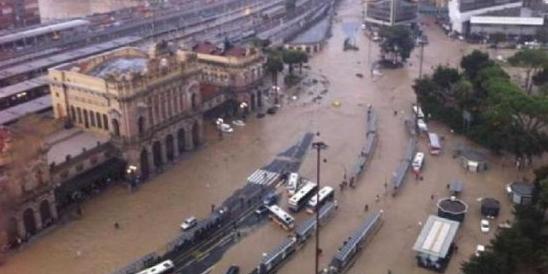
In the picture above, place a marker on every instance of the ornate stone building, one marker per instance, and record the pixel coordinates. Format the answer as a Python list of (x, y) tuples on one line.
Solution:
[(149, 103), (27, 199), (237, 70)]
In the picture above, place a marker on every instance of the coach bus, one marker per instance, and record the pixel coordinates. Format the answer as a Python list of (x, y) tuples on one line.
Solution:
[(325, 194), (297, 201), (281, 217)]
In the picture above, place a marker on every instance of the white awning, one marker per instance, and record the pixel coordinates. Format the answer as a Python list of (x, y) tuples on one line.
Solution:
[(500, 20)]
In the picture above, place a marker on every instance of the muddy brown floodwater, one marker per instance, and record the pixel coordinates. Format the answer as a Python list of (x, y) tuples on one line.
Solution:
[(150, 217)]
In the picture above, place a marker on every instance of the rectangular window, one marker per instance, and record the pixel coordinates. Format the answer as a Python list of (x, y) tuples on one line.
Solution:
[(79, 113)]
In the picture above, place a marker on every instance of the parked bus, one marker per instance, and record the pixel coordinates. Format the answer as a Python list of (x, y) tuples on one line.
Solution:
[(161, 268), (434, 143), (281, 217), (297, 201), (326, 194)]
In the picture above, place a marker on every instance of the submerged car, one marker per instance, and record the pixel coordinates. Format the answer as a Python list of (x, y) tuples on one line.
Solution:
[(226, 128), (189, 223), (484, 226)]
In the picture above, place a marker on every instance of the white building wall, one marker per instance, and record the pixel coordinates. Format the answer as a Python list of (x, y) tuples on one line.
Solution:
[(459, 18)]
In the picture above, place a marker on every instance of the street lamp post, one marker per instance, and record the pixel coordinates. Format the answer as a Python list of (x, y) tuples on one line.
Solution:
[(319, 146), (243, 108), (219, 122), (131, 172), (276, 90)]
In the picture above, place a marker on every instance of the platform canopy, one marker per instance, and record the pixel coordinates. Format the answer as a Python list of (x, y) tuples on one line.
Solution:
[(436, 236)]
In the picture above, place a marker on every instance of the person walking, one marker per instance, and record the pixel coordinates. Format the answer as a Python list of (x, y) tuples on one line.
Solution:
[(366, 207), (377, 198)]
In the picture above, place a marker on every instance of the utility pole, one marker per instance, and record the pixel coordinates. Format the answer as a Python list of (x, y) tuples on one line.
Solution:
[(319, 146)]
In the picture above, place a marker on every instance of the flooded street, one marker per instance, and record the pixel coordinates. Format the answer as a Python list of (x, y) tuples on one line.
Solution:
[(150, 217)]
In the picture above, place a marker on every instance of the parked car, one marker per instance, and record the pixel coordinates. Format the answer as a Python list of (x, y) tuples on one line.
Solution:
[(422, 125), (233, 269), (484, 226), (238, 123), (479, 249), (226, 128), (189, 223), (272, 110), (506, 224), (261, 210)]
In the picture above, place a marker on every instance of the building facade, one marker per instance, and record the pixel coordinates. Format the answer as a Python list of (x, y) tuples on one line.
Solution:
[(149, 103), (18, 13), (461, 11), (238, 71), (27, 199), (391, 12)]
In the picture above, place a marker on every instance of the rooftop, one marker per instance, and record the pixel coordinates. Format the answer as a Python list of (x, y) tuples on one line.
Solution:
[(314, 34), (452, 205), (211, 49), (120, 66), (72, 142), (522, 188), (436, 236)]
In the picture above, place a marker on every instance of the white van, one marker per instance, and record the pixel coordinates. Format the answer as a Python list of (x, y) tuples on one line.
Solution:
[(418, 112), (418, 161), (422, 125), (292, 183)]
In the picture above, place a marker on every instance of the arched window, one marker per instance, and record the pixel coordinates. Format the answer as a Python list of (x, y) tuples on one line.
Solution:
[(141, 125), (115, 128), (105, 121), (79, 112), (193, 101), (72, 113), (99, 122)]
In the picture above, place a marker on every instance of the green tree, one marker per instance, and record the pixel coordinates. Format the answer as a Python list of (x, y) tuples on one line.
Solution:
[(543, 195), (542, 35), (474, 62), (291, 58), (274, 65), (398, 43), (531, 60), (445, 77)]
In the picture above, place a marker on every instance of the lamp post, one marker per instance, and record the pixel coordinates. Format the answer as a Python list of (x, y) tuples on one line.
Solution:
[(276, 90), (318, 146), (131, 172), (219, 122), (243, 109)]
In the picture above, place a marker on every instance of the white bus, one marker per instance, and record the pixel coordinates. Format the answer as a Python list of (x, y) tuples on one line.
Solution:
[(281, 217), (161, 268), (327, 193), (292, 183), (297, 201), (434, 143)]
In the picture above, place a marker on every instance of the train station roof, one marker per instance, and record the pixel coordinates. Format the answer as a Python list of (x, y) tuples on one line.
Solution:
[(14, 113), (47, 62), (23, 86), (436, 236), (13, 37)]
